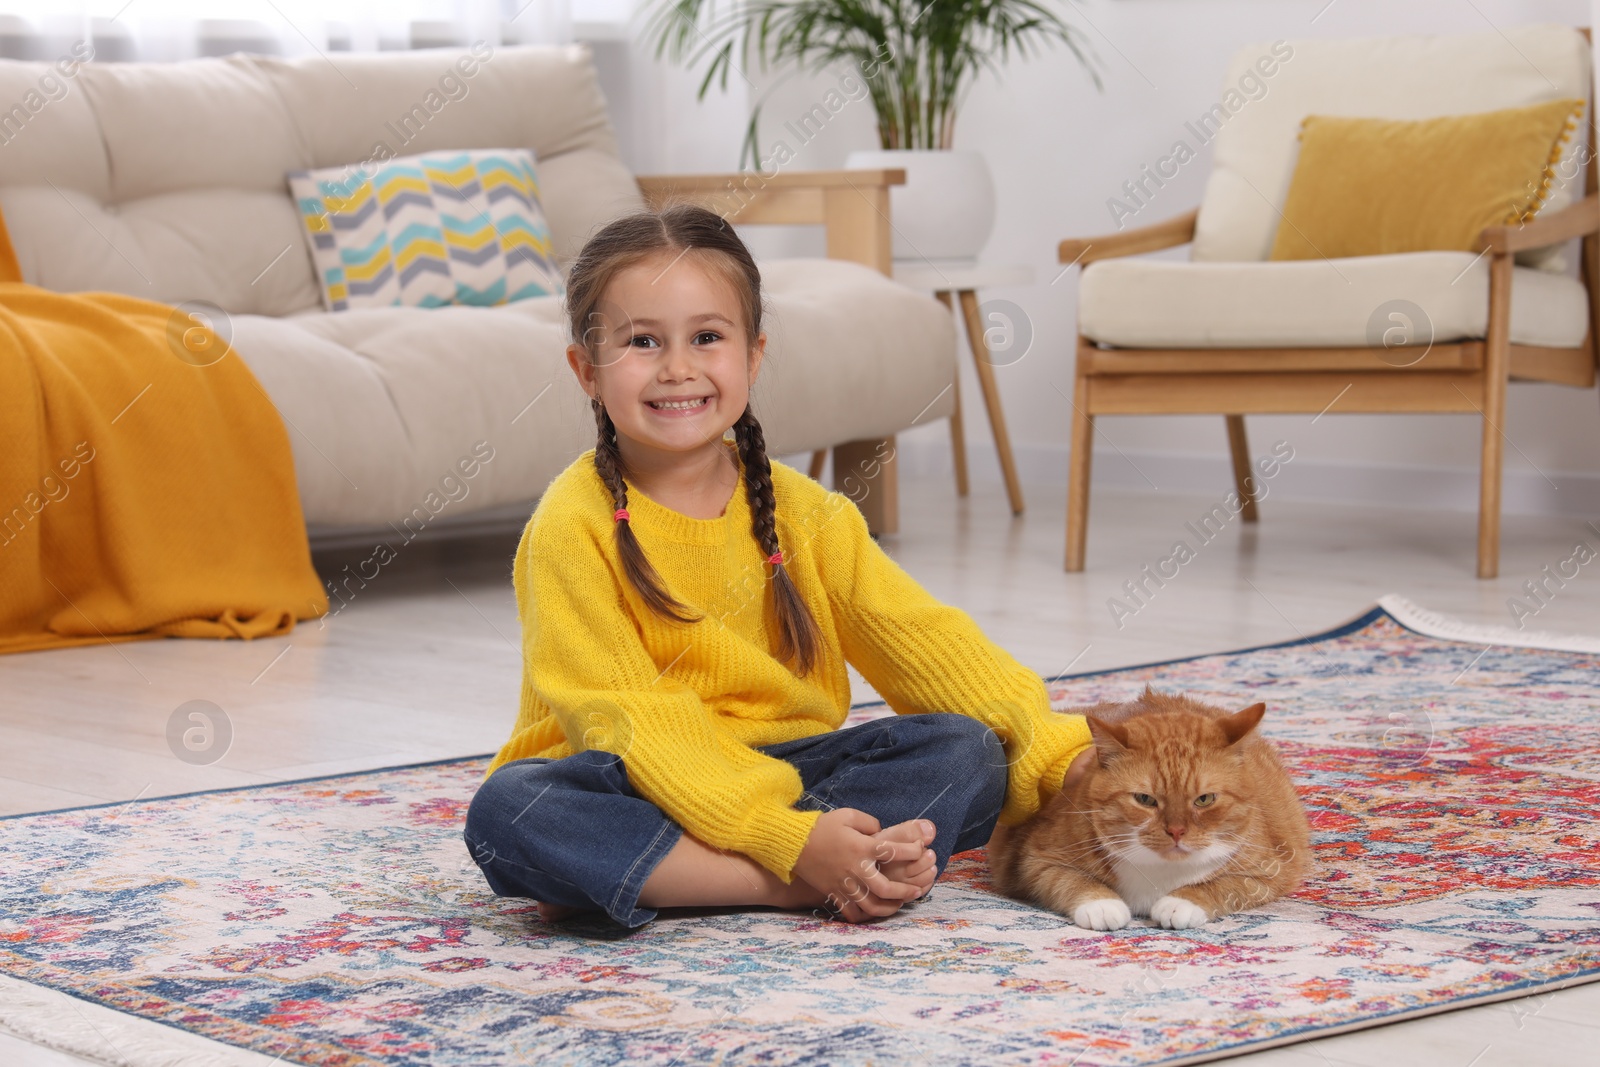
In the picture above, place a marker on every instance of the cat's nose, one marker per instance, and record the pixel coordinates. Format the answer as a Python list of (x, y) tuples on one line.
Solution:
[(1177, 832)]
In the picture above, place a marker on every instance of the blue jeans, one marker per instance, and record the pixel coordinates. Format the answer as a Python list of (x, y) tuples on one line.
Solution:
[(572, 831)]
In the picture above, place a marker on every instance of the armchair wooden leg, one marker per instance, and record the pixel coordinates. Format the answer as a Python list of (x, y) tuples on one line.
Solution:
[(958, 437), (1239, 445), (1496, 365), (958, 441), (1489, 504), (818, 458), (868, 473), (1079, 464)]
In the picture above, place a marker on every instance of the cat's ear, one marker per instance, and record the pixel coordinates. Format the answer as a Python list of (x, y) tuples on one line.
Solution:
[(1110, 740), (1240, 723)]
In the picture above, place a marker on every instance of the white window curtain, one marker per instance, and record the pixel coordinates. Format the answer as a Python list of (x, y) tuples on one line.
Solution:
[(127, 30)]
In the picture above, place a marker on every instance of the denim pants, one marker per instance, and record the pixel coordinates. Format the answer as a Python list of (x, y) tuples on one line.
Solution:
[(572, 831)]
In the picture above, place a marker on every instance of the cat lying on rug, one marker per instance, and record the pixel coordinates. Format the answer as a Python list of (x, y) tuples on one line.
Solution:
[(1182, 812)]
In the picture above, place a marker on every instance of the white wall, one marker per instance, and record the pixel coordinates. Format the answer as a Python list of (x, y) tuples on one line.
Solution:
[(1058, 150)]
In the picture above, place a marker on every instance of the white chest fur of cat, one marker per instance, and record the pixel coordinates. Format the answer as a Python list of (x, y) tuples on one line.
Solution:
[(1184, 814), (1141, 882)]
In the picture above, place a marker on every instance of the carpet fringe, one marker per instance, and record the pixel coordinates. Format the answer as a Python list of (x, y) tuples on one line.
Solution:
[(1433, 624), (93, 1032)]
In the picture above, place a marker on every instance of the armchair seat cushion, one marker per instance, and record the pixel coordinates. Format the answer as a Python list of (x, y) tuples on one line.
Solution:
[(1324, 303)]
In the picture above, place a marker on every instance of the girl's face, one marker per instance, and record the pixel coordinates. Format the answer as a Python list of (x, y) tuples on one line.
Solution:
[(672, 363)]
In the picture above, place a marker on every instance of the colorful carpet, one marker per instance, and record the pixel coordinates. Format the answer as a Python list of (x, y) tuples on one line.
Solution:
[(1454, 787)]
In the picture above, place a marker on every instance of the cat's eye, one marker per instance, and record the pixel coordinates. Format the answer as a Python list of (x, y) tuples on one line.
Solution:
[(1205, 800), (1144, 800)]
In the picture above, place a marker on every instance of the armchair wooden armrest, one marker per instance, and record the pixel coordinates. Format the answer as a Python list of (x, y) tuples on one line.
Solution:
[(852, 205), (1168, 234), (1573, 221)]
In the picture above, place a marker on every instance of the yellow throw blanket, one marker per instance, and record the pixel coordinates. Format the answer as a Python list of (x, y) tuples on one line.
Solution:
[(141, 494)]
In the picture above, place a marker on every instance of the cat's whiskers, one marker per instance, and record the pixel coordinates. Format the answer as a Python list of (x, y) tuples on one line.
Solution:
[(1086, 850), (1245, 852), (1126, 849), (1088, 854), (1241, 842)]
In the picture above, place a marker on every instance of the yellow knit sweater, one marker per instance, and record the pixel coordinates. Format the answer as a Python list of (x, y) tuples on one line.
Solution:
[(686, 704)]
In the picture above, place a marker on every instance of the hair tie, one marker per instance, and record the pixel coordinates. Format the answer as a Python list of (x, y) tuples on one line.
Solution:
[(776, 558), (620, 514)]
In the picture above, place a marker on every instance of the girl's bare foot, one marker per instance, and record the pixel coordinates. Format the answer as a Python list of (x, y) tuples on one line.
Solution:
[(551, 912), (921, 871)]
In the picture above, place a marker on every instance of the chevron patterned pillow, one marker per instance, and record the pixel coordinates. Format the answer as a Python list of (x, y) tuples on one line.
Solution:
[(460, 227)]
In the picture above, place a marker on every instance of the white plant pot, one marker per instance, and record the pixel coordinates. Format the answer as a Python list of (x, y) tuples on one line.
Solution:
[(945, 210)]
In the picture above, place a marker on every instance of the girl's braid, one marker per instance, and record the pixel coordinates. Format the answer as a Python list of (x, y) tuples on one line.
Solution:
[(645, 578), (797, 630)]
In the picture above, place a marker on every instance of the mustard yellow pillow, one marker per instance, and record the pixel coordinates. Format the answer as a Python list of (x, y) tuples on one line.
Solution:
[(1367, 187)]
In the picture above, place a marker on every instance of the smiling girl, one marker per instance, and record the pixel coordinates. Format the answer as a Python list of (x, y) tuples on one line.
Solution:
[(688, 609)]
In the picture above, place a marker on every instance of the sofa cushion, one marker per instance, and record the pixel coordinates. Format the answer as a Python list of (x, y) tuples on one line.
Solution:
[(136, 181), (1153, 303), (166, 180), (428, 230), (1401, 77), (382, 404)]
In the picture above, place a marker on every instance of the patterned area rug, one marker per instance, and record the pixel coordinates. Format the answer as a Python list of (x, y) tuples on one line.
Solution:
[(1453, 785)]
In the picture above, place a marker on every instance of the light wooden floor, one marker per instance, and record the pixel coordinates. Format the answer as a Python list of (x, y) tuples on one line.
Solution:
[(423, 665)]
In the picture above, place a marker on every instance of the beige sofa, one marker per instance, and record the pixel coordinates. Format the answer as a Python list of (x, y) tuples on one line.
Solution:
[(166, 181)]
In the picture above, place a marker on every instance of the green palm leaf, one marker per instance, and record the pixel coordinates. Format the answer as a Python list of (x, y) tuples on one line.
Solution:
[(924, 54)]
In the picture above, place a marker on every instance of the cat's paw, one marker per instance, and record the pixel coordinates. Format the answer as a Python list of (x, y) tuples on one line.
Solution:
[(1105, 913), (1175, 913)]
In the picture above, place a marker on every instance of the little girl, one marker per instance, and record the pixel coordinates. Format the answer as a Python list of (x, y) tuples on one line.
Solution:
[(688, 608)]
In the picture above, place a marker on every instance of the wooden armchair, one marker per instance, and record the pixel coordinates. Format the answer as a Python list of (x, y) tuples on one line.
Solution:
[(1465, 374), (853, 208)]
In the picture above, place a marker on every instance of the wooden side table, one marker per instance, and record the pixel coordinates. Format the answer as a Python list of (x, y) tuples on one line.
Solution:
[(964, 281)]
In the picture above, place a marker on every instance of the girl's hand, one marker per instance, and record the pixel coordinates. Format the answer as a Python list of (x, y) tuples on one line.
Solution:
[(844, 856)]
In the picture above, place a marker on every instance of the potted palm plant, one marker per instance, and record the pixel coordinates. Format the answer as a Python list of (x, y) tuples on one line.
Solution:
[(917, 58)]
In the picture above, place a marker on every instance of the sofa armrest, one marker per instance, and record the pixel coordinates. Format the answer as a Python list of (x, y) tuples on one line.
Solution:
[(1168, 234), (853, 205), (1575, 220)]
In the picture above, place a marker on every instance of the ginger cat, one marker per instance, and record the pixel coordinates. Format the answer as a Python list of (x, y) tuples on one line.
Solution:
[(1184, 814)]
